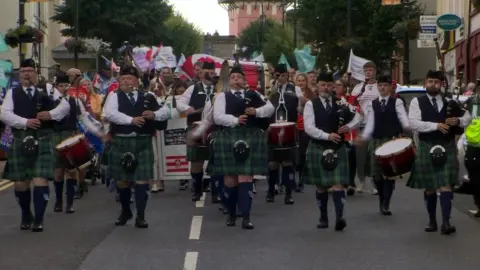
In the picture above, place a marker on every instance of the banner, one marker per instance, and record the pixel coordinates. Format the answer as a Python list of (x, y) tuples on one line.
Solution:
[(283, 60), (306, 61), (5, 69), (355, 66), (165, 58), (3, 45)]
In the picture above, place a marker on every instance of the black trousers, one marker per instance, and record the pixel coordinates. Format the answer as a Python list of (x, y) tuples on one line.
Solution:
[(303, 141), (352, 163)]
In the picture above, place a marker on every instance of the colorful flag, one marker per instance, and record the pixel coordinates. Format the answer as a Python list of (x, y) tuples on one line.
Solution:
[(306, 61), (3, 45), (355, 66), (283, 60), (5, 69)]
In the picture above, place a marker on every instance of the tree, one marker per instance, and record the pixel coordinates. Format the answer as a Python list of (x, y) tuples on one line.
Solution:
[(116, 21), (182, 36), (376, 30), (271, 38)]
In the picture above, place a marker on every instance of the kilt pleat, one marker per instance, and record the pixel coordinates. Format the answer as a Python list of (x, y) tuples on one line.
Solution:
[(211, 157), (315, 174), (22, 168), (426, 176), (372, 168), (58, 137), (224, 161), (141, 147)]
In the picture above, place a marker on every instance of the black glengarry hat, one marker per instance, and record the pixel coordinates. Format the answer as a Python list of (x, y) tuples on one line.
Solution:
[(385, 79), (62, 78), (236, 69), (281, 68), (435, 74), (129, 70), (325, 77), (209, 65), (28, 63)]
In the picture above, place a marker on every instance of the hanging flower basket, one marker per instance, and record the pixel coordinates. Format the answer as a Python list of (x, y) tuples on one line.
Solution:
[(24, 34), (411, 26), (476, 4), (73, 43)]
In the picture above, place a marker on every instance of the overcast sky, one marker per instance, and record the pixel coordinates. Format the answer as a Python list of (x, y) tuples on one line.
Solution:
[(206, 14)]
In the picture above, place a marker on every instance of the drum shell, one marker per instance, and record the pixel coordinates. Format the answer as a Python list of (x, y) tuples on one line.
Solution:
[(254, 72), (282, 136), (398, 163), (78, 154)]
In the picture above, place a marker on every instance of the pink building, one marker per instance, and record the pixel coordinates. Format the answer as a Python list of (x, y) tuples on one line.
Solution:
[(242, 12)]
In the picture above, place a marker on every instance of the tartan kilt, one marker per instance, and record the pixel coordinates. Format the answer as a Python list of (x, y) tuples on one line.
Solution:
[(21, 168), (426, 176), (315, 174), (372, 168), (141, 147), (58, 137), (225, 163), (210, 164), (106, 151)]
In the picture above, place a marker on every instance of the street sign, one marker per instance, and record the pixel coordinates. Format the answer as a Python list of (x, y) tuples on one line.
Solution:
[(425, 43), (428, 27), (427, 36), (449, 22)]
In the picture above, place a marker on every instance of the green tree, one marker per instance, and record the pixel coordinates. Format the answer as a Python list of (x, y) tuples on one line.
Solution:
[(376, 30), (182, 36), (116, 21), (271, 38)]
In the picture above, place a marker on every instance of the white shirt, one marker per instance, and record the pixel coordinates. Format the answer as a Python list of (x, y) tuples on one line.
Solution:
[(415, 116), (298, 91), (370, 94), (370, 116), (309, 121), (228, 120), (18, 122), (114, 116), (182, 103)]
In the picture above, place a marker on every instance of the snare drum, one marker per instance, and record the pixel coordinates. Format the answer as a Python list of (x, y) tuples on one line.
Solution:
[(396, 158), (76, 150), (282, 135)]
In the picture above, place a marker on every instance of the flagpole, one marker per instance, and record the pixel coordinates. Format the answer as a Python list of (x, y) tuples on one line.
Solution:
[(77, 25), (21, 21)]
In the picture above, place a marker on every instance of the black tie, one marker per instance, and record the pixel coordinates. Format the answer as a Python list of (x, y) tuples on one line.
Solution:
[(384, 104), (238, 95), (434, 104), (130, 97), (209, 90), (29, 92), (328, 107)]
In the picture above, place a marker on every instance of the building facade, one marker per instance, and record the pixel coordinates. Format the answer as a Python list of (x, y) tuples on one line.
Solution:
[(242, 12), (472, 46), (220, 46)]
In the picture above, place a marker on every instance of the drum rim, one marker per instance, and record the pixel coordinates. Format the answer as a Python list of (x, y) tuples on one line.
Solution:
[(283, 124), (394, 153), (80, 137)]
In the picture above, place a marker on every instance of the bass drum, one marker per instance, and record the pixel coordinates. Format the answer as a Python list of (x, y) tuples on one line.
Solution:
[(257, 75)]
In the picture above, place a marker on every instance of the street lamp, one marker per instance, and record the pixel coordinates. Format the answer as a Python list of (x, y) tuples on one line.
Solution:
[(75, 52), (21, 21)]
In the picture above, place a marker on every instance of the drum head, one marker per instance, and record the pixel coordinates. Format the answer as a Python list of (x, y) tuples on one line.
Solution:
[(393, 146), (254, 72), (70, 141)]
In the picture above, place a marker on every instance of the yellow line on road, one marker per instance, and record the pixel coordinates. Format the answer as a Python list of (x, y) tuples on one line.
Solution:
[(2, 182), (6, 186)]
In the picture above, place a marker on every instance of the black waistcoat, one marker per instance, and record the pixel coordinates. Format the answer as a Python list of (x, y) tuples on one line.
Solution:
[(430, 115), (27, 107), (387, 124), (135, 110), (291, 102), (197, 101), (69, 122), (236, 107), (326, 121)]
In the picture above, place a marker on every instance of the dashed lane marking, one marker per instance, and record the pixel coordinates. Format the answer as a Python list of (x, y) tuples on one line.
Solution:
[(196, 228), (4, 184), (190, 261), (201, 203)]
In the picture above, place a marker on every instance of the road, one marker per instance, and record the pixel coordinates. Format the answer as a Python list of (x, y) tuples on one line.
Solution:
[(184, 235)]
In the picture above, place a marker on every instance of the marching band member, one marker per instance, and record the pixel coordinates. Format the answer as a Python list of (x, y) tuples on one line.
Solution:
[(240, 146), (327, 163), (365, 93), (435, 162), (64, 129), (291, 95), (192, 103), (29, 111), (132, 115), (386, 118)]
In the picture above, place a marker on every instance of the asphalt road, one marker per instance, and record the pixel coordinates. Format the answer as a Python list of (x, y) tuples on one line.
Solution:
[(184, 235)]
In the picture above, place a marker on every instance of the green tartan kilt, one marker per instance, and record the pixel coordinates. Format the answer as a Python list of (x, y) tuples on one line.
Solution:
[(426, 176), (106, 152), (197, 153), (58, 137), (372, 168), (315, 174), (211, 156), (21, 168), (224, 161), (141, 147)]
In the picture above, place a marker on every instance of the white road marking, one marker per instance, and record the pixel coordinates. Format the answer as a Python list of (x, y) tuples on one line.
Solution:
[(201, 203), (190, 261), (196, 228)]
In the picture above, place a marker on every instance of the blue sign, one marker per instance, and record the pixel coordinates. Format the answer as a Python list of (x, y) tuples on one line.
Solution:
[(449, 22), (429, 29)]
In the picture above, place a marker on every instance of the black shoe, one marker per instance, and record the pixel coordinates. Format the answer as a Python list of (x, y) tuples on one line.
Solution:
[(37, 227), (299, 188), (70, 210), (215, 199), (196, 197), (231, 221), (124, 217), (206, 189), (289, 200), (385, 211), (141, 223), (58, 207), (322, 224), (183, 186), (340, 224), (448, 229), (247, 225), (26, 223), (431, 227), (350, 191), (270, 197)]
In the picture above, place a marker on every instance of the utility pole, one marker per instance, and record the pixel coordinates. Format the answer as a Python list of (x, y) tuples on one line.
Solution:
[(21, 21), (295, 24), (406, 48), (75, 52)]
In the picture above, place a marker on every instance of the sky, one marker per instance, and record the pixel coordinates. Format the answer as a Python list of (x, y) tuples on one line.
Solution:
[(207, 15)]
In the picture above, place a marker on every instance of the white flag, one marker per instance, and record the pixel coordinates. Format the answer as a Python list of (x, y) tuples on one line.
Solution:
[(181, 61), (355, 66), (259, 58)]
